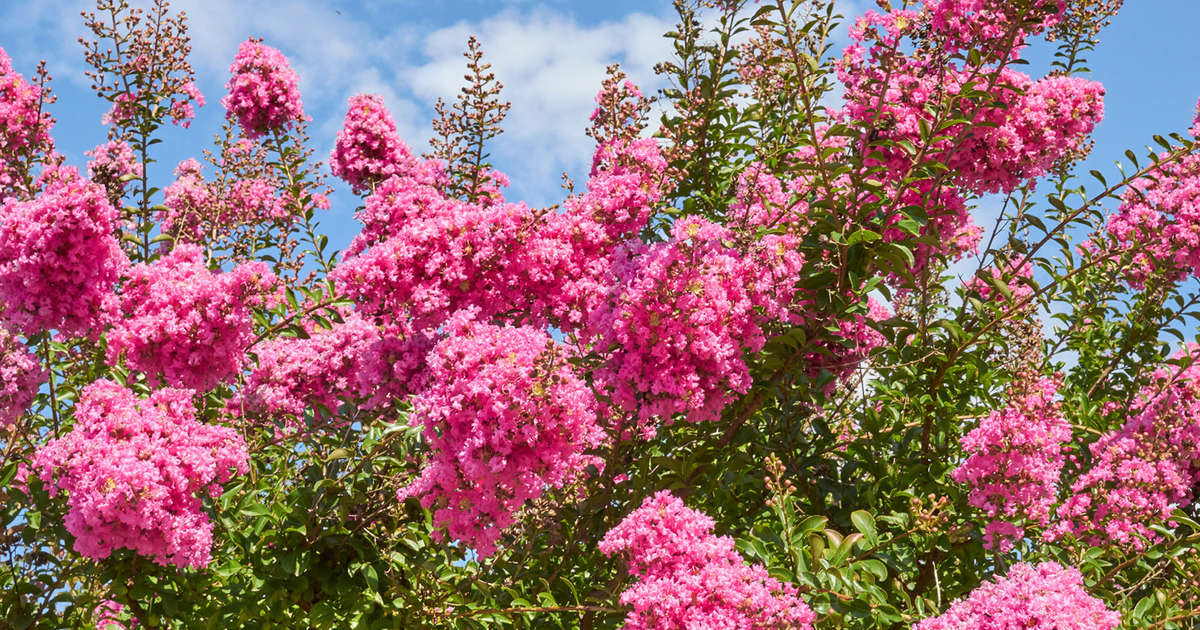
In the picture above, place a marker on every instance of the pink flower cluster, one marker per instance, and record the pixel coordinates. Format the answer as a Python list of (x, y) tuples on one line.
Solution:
[(296, 374), (398, 200), (690, 579), (59, 255), (186, 201), (426, 256), (196, 211), (249, 201), (24, 127), (1159, 222), (505, 419), (998, 28), (1195, 130), (180, 323), (133, 470), (181, 110), (353, 359), (442, 257), (763, 201), (1016, 133), (1014, 460), (1044, 121), (368, 149), (393, 366), (675, 327), (1142, 471), (264, 93), (1015, 279), (623, 187), (110, 615), (569, 272), (111, 164), (1046, 596), (1039, 122), (772, 217), (20, 377)]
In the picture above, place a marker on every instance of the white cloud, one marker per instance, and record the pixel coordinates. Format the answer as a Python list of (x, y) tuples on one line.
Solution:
[(551, 68), (550, 64), (50, 31), (335, 54)]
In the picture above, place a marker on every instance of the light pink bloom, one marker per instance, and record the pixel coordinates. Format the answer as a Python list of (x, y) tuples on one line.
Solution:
[(689, 578), (264, 92), (1046, 596), (134, 469)]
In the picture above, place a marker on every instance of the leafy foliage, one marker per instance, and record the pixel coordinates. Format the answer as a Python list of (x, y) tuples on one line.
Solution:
[(833, 469)]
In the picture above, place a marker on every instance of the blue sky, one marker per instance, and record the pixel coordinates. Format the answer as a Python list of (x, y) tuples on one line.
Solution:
[(550, 54), (1147, 60)]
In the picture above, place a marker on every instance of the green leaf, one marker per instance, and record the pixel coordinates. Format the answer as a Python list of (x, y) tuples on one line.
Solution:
[(255, 509), (865, 523), (371, 576), (1143, 606), (812, 524), (875, 567), (863, 236), (1000, 285)]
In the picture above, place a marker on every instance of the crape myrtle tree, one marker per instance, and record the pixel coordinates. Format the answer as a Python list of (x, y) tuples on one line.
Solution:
[(729, 382)]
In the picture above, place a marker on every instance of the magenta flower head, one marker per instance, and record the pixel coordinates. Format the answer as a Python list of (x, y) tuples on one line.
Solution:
[(296, 374), (1046, 596), (264, 93), (1014, 460), (113, 165), (20, 377), (506, 419), (24, 125), (59, 258), (182, 324), (135, 469), (368, 149), (1141, 472), (677, 323), (110, 615), (688, 577), (1157, 223)]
